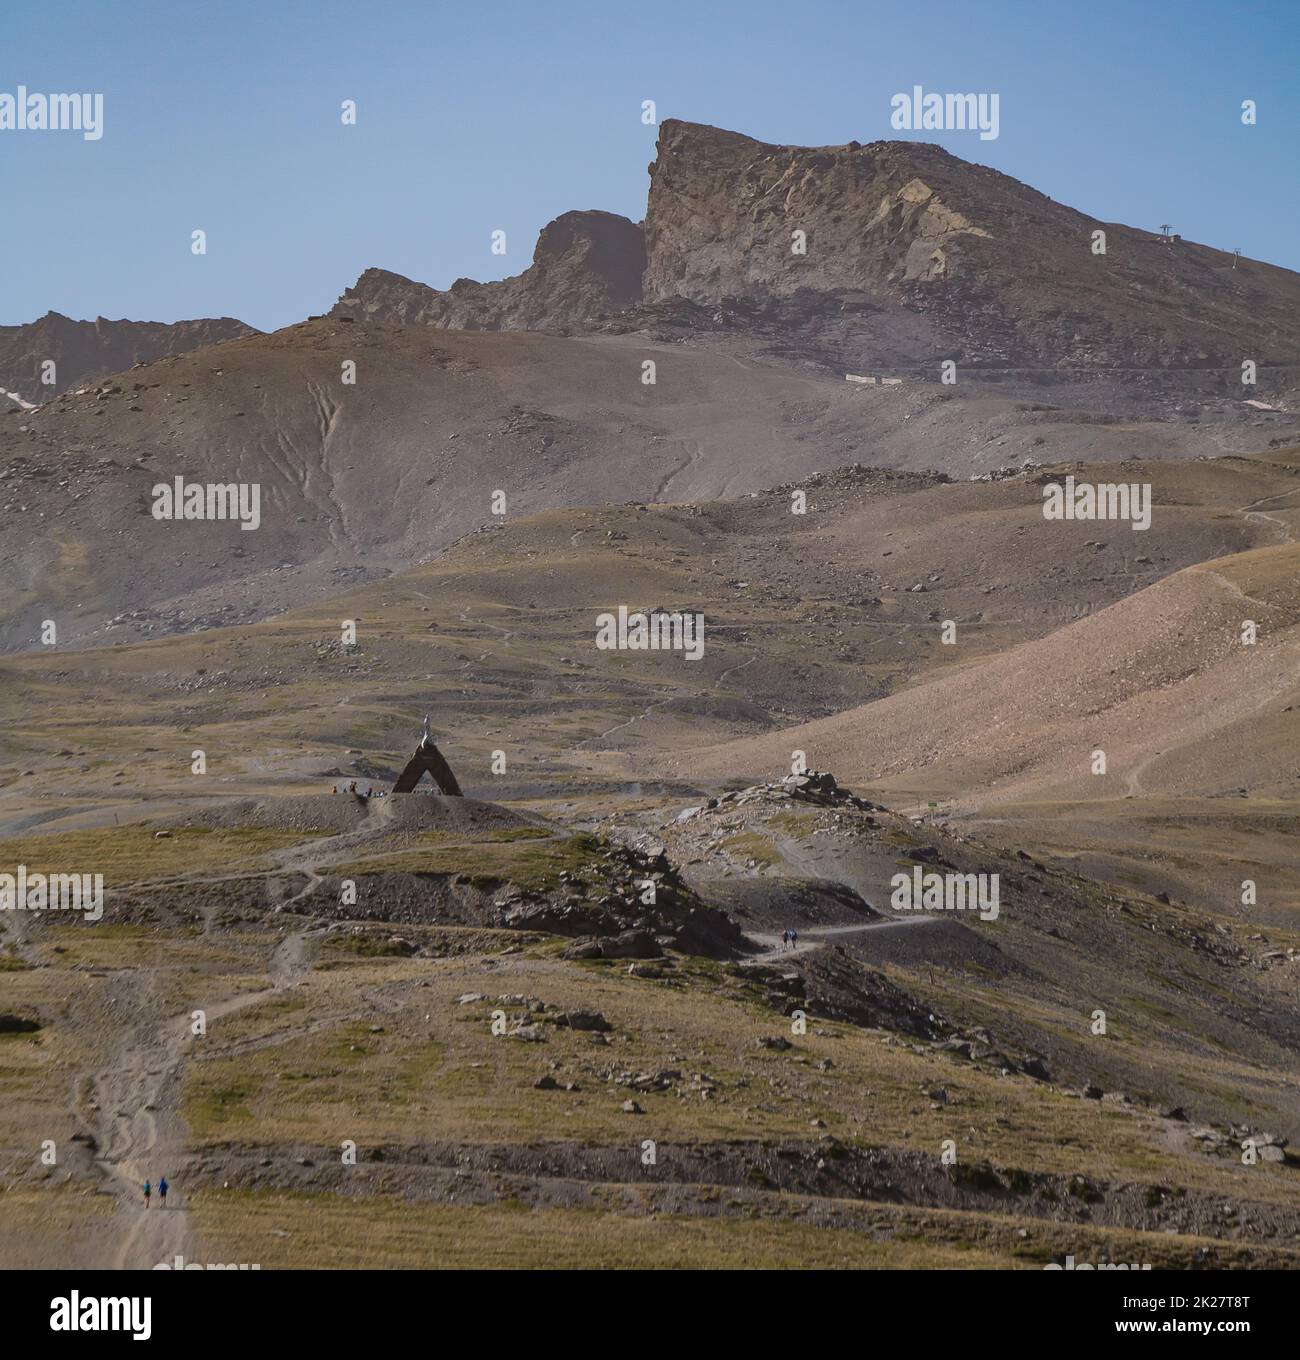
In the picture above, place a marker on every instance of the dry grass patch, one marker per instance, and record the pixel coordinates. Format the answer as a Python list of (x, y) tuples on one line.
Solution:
[(134, 854), (279, 1230)]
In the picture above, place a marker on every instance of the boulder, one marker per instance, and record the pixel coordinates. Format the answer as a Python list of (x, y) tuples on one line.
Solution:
[(631, 944)]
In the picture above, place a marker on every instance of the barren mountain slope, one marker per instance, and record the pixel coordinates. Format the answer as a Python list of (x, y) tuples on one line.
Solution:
[(1161, 682), (360, 479)]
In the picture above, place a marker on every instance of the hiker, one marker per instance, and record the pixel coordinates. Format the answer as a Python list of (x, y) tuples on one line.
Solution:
[(794, 939), (785, 939), (162, 1191), (148, 1190)]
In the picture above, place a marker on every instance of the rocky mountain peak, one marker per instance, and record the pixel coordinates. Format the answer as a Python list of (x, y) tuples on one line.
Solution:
[(585, 265), (1001, 274)]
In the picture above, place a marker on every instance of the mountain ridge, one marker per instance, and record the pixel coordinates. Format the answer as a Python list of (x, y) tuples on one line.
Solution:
[(903, 249), (86, 350)]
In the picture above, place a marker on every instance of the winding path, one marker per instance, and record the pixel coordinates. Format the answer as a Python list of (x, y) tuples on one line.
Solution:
[(816, 937), (131, 1108)]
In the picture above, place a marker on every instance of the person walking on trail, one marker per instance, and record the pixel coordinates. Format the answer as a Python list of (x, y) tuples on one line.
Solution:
[(162, 1191), (148, 1190), (794, 939), (785, 938)]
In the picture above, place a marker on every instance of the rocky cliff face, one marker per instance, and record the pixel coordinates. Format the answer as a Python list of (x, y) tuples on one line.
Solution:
[(586, 266), (726, 213), (82, 350), (1001, 273)]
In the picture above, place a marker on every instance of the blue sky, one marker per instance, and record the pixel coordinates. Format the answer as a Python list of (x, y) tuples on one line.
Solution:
[(478, 116)]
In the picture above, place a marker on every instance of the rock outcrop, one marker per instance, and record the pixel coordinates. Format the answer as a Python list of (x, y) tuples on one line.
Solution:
[(585, 266), (725, 212), (84, 350)]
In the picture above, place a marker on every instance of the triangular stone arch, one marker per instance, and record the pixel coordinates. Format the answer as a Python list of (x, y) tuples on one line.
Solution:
[(428, 760)]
